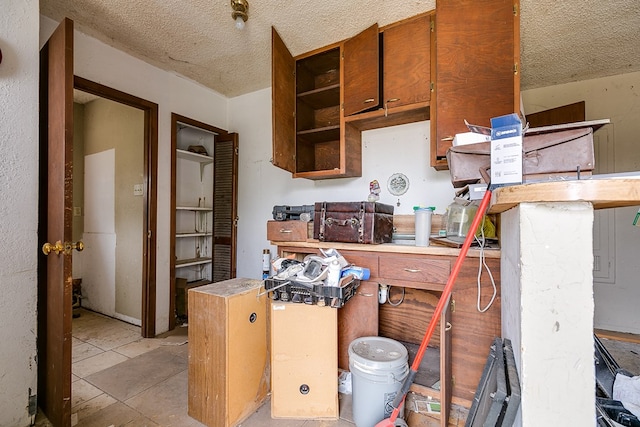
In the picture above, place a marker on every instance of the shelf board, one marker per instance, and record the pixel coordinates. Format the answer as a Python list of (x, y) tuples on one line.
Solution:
[(193, 208), (323, 97), (188, 155), (193, 261), (194, 234), (394, 116), (323, 134)]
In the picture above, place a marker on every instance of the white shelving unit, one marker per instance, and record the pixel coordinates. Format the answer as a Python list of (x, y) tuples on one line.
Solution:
[(194, 209)]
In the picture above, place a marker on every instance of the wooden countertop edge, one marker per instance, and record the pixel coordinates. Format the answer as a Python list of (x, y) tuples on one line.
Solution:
[(602, 193), (389, 248)]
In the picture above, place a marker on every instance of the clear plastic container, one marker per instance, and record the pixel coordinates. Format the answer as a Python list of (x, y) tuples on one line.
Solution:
[(422, 225), (459, 218)]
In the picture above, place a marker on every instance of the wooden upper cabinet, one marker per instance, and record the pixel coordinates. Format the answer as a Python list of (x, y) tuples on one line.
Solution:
[(283, 93), (407, 62), (361, 71), (477, 58)]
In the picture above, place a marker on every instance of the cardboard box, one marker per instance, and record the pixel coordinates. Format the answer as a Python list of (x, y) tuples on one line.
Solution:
[(469, 138), (506, 150)]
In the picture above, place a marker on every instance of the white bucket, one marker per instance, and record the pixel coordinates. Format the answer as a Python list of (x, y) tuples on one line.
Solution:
[(378, 367)]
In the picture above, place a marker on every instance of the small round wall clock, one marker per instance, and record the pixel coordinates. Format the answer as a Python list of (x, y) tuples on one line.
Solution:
[(398, 184)]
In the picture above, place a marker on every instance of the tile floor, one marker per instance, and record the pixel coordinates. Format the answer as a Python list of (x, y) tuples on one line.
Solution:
[(121, 379)]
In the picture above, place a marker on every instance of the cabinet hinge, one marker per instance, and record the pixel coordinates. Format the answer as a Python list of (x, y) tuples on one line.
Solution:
[(453, 380), (433, 87), (453, 305), (342, 106), (236, 150), (515, 10), (515, 69), (432, 24)]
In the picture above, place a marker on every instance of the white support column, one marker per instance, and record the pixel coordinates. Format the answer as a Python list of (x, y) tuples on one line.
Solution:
[(547, 310)]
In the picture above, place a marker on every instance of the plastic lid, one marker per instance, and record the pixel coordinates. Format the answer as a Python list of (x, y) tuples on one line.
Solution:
[(431, 208), (374, 351)]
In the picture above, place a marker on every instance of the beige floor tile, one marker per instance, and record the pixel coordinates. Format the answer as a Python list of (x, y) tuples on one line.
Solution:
[(117, 414), (166, 402), (133, 376), (90, 407), (97, 363), (82, 350), (262, 418), (112, 336), (138, 347), (81, 392)]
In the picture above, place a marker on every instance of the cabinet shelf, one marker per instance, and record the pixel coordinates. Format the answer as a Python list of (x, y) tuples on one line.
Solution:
[(194, 208), (194, 157), (323, 97), (323, 134), (194, 234), (180, 263), (393, 116)]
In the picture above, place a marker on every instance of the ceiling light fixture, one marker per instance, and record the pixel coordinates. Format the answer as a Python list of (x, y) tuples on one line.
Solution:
[(240, 12)]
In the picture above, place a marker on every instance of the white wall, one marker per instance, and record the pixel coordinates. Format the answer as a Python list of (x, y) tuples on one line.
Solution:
[(18, 210), (261, 185), (615, 98), (98, 62)]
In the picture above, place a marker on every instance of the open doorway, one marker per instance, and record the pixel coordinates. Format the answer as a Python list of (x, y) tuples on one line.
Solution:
[(115, 144)]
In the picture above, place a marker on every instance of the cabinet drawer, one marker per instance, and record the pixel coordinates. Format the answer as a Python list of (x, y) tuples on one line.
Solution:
[(363, 260), (415, 269), (287, 231)]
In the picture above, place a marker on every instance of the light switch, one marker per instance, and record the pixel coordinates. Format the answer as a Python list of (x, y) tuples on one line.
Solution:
[(77, 211), (137, 190)]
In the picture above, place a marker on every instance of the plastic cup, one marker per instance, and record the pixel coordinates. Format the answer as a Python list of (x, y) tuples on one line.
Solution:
[(423, 225)]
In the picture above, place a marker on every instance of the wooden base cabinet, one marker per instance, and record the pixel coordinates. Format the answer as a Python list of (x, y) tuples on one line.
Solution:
[(228, 363), (304, 361), (459, 348)]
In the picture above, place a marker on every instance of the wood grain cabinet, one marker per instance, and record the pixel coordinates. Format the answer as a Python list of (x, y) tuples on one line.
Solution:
[(457, 352), (324, 99), (304, 361), (228, 360), (477, 68)]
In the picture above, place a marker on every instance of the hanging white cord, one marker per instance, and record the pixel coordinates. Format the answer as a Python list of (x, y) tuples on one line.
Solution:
[(482, 262)]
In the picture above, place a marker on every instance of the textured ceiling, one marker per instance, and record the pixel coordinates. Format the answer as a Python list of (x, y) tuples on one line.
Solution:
[(561, 41)]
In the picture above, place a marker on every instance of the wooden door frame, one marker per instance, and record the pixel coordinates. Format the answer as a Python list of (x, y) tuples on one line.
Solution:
[(150, 220), (175, 118)]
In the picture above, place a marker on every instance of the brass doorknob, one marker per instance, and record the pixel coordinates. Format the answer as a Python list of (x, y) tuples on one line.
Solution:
[(58, 247), (47, 248), (68, 247)]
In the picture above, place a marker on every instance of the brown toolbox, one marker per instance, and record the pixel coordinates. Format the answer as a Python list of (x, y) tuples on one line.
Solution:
[(353, 222), (544, 155)]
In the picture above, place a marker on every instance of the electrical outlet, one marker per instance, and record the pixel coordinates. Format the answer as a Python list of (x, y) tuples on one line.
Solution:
[(137, 190), (77, 211)]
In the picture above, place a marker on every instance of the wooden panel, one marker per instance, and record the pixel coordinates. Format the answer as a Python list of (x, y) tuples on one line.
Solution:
[(283, 231), (407, 62), (357, 318), (473, 332), (248, 382), (55, 284), (228, 365), (304, 345), (207, 400), (409, 320), (225, 206), (361, 72), (283, 104), (475, 66), (555, 116), (415, 269)]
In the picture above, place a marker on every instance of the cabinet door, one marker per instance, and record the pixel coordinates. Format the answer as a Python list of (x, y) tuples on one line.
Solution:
[(407, 62), (361, 72), (283, 103), (477, 50)]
